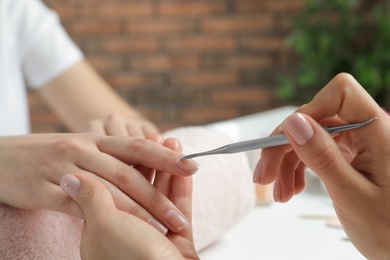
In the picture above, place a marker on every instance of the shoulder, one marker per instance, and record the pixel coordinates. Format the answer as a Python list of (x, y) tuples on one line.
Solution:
[(26, 13)]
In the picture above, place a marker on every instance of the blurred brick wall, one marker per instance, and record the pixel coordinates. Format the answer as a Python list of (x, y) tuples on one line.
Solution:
[(181, 62)]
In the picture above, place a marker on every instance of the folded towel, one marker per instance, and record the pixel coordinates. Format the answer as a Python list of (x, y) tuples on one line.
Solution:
[(223, 195), (38, 234), (223, 189)]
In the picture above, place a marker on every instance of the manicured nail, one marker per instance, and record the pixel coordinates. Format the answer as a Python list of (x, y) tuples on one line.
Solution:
[(188, 165), (258, 171), (176, 219), (70, 185), (157, 225), (277, 191), (299, 128)]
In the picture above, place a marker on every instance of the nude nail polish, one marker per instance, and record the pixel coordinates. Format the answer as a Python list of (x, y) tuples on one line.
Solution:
[(277, 191), (176, 219), (299, 128), (70, 185), (188, 165)]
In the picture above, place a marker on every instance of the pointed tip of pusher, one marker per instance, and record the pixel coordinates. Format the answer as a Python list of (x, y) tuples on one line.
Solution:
[(185, 157)]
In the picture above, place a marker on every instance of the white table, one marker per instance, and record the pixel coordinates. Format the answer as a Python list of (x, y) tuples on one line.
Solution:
[(281, 231)]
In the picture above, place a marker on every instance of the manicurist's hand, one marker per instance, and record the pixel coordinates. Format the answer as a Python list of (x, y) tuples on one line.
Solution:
[(354, 166), (32, 166), (109, 233)]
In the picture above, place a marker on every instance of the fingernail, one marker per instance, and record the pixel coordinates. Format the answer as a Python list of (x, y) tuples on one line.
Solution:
[(277, 191), (70, 185), (176, 219), (188, 165), (299, 128), (157, 225), (258, 171)]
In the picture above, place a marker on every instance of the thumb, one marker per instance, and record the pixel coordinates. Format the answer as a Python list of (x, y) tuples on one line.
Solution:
[(318, 151), (92, 196)]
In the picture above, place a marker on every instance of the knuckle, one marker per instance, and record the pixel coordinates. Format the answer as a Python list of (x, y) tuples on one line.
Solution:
[(138, 145), (124, 175), (86, 196), (343, 77), (76, 145), (157, 201), (345, 83), (70, 145)]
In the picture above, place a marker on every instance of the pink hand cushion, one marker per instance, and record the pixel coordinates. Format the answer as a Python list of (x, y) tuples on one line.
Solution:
[(223, 195), (38, 234), (223, 189)]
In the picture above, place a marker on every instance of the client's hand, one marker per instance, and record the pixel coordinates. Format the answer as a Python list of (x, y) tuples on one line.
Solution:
[(354, 166), (109, 233), (32, 166), (118, 125)]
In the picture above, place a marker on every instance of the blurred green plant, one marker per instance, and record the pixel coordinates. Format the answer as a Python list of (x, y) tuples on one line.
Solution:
[(333, 36)]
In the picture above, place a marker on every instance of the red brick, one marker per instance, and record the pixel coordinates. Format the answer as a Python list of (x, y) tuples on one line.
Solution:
[(191, 8), (130, 80), (116, 9), (128, 45), (238, 24), (262, 43), (159, 27), (88, 28), (249, 61), (205, 79), (164, 62), (182, 62), (105, 63), (241, 96), (285, 6), (65, 11), (200, 43)]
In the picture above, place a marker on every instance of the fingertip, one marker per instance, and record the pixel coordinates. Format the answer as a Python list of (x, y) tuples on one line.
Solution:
[(299, 128), (189, 165), (91, 195), (277, 191), (156, 137), (173, 144)]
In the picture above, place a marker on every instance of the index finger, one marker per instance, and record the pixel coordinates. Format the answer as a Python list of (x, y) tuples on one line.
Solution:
[(141, 151), (344, 97)]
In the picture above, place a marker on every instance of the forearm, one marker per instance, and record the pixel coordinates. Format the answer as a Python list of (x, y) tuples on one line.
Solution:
[(80, 95)]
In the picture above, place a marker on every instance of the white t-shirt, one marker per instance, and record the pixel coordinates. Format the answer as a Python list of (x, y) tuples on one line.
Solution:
[(34, 49)]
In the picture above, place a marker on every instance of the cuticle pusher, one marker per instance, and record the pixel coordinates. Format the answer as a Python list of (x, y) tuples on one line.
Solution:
[(270, 141)]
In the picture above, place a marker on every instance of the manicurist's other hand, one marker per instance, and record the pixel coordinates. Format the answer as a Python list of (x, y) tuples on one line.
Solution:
[(118, 125), (109, 233), (354, 166)]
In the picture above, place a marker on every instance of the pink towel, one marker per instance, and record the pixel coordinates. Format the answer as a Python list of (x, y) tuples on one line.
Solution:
[(223, 189), (38, 234), (223, 195)]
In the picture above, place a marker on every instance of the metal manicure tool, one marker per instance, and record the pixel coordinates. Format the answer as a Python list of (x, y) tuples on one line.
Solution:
[(270, 141)]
